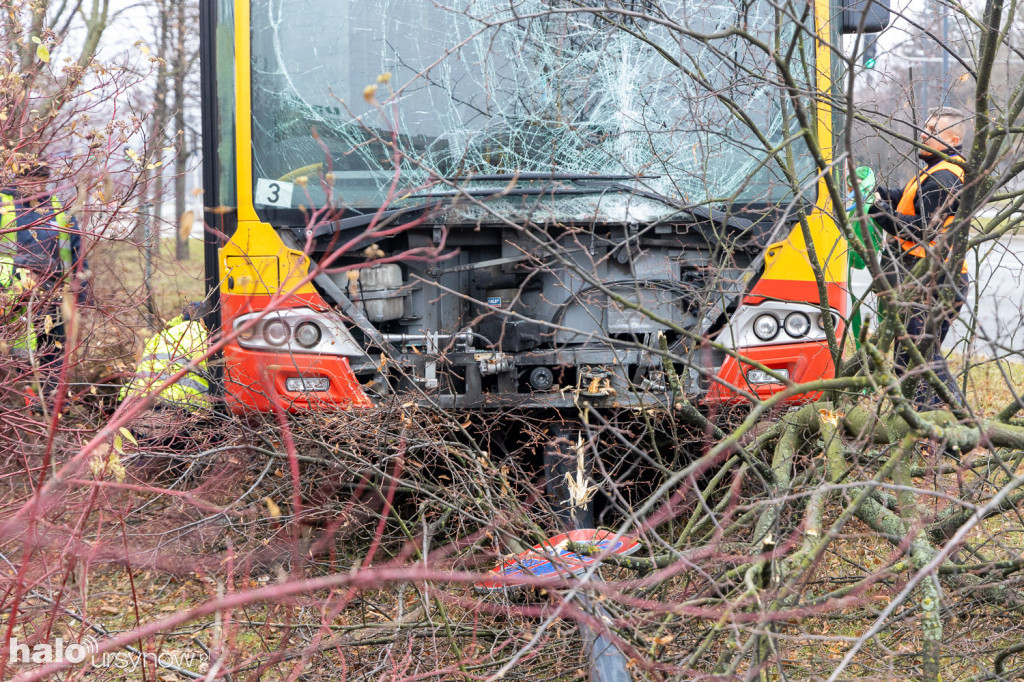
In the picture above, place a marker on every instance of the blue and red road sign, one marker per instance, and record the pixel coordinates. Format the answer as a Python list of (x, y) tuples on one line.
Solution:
[(552, 559)]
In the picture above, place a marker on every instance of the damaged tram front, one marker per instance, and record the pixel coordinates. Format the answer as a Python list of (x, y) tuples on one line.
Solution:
[(515, 203)]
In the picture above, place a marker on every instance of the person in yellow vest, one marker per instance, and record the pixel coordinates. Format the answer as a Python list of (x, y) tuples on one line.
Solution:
[(924, 210), (19, 308), (182, 341), (40, 253)]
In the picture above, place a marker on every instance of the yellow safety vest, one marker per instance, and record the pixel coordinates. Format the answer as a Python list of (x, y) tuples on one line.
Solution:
[(12, 282), (9, 237), (165, 354), (20, 317)]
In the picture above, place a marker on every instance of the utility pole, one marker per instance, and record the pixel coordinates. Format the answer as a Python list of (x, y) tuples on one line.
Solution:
[(945, 45), (946, 85)]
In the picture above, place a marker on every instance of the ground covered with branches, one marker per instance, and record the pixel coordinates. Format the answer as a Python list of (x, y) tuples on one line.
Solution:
[(847, 535), (351, 542)]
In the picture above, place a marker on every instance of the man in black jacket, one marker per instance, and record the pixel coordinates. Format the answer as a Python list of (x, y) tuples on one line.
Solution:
[(917, 218)]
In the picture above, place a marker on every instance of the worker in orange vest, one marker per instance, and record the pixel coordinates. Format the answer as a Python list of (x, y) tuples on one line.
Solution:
[(924, 211)]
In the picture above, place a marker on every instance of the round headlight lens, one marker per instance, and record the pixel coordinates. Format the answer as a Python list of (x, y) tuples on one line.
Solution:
[(766, 327), (276, 332), (246, 332), (821, 322), (307, 334), (797, 325)]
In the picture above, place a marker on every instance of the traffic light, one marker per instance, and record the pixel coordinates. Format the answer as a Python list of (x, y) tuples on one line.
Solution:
[(870, 52), (855, 21)]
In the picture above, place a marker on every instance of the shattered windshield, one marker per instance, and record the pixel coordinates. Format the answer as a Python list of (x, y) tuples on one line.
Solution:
[(378, 102)]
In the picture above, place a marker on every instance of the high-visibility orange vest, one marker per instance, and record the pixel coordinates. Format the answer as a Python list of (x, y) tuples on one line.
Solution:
[(908, 205)]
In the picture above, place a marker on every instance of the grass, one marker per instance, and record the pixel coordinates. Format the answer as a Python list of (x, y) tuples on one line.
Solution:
[(114, 327), (122, 264), (991, 384)]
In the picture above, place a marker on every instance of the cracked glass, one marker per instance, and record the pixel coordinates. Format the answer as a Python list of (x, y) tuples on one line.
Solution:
[(379, 102)]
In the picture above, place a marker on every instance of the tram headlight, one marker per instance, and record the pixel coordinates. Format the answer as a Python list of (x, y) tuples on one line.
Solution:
[(297, 330), (276, 332), (307, 334), (797, 325), (762, 324), (766, 327)]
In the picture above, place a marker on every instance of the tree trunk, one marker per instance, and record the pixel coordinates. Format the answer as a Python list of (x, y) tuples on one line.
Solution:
[(148, 225), (180, 164), (158, 124)]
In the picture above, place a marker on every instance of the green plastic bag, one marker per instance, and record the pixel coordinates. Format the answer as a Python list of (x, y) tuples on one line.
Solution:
[(866, 184), (862, 230)]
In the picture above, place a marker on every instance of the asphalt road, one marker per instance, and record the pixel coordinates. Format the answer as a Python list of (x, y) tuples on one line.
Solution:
[(995, 302)]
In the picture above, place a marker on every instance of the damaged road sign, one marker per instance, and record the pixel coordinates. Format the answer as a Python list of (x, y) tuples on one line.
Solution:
[(553, 560)]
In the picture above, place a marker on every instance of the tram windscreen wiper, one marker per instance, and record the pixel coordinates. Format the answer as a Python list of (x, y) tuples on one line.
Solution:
[(361, 220), (601, 184), (609, 182), (499, 192), (505, 177)]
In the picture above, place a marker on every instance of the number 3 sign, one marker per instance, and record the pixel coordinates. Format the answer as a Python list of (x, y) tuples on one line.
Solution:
[(273, 193)]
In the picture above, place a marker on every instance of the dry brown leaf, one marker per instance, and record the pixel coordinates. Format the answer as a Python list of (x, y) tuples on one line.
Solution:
[(272, 507), (185, 224)]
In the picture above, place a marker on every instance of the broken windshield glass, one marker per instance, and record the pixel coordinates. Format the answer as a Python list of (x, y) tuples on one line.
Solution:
[(362, 104)]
